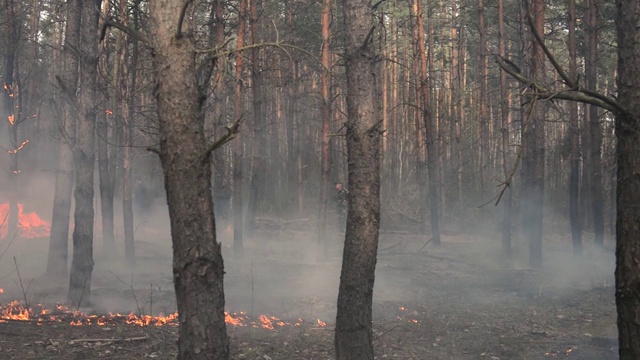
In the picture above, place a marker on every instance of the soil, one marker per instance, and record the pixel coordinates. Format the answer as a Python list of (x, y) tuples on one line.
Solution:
[(459, 300)]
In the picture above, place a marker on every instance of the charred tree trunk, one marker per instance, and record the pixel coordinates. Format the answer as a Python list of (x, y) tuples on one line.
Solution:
[(353, 323), (238, 150), (574, 141), (628, 181), (129, 103), (197, 258), (82, 261), (11, 116), (57, 261)]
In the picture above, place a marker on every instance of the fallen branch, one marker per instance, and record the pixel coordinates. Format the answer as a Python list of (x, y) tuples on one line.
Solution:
[(111, 340)]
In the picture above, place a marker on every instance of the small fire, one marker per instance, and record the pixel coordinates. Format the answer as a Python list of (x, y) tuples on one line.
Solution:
[(15, 151), (12, 119), (15, 311), (30, 225)]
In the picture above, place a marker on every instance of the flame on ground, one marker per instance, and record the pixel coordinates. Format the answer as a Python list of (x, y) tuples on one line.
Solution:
[(30, 225), (15, 311)]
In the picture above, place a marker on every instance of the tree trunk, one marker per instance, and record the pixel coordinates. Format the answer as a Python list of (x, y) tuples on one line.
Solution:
[(485, 161), (505, 128), (430, 125), (258, 145), (12, 116), (197, 258), (595, 132), (574, 141), (533, 156), (129, 103), (57, 260), (82, 261), (238, 150), (353, 323), (325, 78), (628, 182)]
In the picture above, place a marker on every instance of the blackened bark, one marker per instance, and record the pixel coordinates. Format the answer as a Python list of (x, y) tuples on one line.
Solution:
[(353, 323), (198, 267), (127, 178), (628, 181), (82, 261), (57, 261), (105, 167), (11, 117)]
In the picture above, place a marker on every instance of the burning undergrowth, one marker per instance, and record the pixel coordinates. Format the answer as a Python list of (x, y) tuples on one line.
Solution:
[(40, 314)]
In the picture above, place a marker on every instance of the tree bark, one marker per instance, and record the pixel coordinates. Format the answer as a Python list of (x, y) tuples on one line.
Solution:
[(13, 117), (574, 141), (238, 149), (198, 267), (628, 181), (325, 79), (533, 156), (57, 260), (258, 146), (129, 103), (353, 323), (505, 128), (82, 261), (595, 131)]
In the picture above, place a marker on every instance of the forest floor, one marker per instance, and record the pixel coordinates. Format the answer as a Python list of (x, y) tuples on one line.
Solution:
[(455, 301)]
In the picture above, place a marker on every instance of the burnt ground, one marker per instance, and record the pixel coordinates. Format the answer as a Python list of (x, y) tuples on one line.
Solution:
[(456, 301)]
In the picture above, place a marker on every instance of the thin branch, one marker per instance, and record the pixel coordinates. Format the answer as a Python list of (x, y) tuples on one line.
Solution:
[(232, 131), (570, 82), (134, 33), (580, 95), (183, 11)]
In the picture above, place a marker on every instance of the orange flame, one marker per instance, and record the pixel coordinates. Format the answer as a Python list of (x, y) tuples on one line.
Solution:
[(30, 225), (17, 312), (14, 151), (12, 119)]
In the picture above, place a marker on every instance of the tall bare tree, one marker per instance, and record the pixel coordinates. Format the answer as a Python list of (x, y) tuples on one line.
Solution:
[(628, 193), (533, 142), (574, 140), (84, 157), (353, 322), (238, 150), (505, 128), (57, 261), (186, 162), (325, 89)]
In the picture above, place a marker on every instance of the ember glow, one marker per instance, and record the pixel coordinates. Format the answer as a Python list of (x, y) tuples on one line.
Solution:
[(15, 151), (15, 311), (30, 225)]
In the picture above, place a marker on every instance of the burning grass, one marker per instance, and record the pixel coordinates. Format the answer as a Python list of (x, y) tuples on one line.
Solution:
[(39, 314)]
